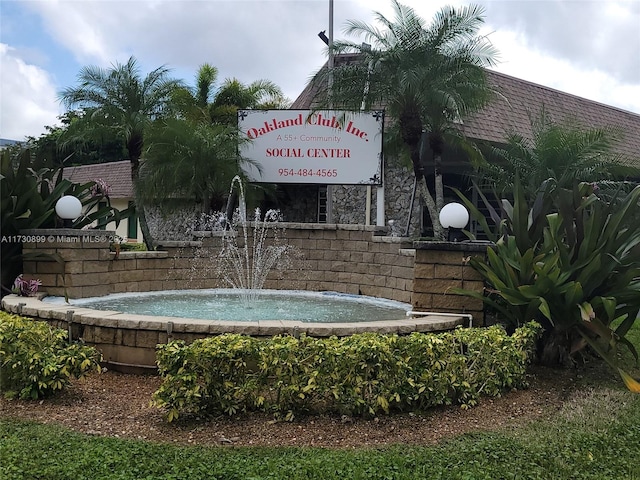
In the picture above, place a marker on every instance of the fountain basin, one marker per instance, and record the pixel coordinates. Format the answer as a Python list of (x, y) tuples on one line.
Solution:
[(128, 341), (247, 305)]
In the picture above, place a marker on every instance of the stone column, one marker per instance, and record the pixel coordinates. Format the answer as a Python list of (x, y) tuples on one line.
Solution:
[(442, 266), (69, 262)]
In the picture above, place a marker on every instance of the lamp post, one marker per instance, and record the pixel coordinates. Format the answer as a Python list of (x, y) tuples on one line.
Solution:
[(453, 216), (68, 208)]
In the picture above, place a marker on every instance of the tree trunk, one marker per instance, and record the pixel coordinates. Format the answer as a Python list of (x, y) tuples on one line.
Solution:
[(439, 184), (436, 143), (142, 217), (434, 215), (144, 226), (554, 348), (134, 147), (411, 131)]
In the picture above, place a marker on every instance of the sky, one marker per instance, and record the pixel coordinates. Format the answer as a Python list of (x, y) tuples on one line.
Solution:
[(589, 48)]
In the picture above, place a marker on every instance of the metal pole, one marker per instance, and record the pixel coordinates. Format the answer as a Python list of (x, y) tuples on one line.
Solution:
[(380, 199), (330, 89)]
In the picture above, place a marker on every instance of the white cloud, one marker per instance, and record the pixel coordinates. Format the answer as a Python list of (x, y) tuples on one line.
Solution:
[(27, 98), (587, 48), (90, 30), (249, 40), (523, 60), (601, 35)]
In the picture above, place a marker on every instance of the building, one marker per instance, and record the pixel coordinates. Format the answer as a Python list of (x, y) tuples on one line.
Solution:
[(117, 175), (510, 111), (347, 204)]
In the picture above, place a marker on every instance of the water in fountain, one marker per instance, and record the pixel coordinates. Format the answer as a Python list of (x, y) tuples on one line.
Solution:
[(249, 253), (225, 305), (250, 250)]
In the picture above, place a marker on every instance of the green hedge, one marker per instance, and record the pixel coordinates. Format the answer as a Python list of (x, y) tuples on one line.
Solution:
[(36, 360), (364, 374)]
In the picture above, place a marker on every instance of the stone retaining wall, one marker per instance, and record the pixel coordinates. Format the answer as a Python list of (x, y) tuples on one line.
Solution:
[(441, 267), (342, 258)]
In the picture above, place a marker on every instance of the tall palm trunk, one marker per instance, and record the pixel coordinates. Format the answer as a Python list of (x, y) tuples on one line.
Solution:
[(134, 147), (436, 143), (425, 194), (411, 132)]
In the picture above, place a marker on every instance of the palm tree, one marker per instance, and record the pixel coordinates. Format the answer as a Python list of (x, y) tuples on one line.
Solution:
[(234, 95), (193, 102), (428, 77), (119, 100), (194, 156), (190, 161), (566, 152), (205, 102)]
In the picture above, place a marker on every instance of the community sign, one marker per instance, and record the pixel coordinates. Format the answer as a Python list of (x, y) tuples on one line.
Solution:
[(303, 146)]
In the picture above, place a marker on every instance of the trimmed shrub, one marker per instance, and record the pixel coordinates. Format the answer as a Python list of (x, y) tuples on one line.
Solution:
[(208, 374), (364, 374), (36, 360)]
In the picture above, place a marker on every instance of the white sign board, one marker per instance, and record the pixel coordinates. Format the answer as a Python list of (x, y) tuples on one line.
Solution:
[(303, 146)]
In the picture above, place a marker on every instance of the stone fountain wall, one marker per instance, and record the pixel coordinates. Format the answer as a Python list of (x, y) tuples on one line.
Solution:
[(353, 259), (342, 258)]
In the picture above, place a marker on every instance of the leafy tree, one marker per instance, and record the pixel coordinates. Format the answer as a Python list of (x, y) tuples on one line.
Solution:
[(119, 100), (194, 156), (192, 103), (62, 146), (233, 95), (428, 77), (566, 152), (205, 101)]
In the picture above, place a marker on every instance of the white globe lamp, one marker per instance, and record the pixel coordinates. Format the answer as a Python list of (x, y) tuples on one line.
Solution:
[(68, 208), (454, 216)]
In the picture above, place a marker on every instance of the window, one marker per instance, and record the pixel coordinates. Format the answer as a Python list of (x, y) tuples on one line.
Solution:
[(132, 224), (322, 204)]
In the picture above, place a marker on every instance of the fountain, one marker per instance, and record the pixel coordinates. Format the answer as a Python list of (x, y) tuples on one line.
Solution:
[(250, 249), (245, 266), (228, 305), (358, 261)]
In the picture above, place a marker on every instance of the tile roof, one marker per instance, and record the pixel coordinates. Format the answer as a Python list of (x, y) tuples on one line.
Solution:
[(518, 99), (116, 174)]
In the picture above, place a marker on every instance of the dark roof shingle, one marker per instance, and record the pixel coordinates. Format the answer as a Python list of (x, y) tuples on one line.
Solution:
[(116, 174), (518, 100)]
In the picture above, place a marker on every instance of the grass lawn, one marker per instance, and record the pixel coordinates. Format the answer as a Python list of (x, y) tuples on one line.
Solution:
[(595, 436)]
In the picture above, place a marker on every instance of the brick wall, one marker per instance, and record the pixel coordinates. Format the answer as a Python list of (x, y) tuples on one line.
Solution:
[(342, 258), (441, 267)]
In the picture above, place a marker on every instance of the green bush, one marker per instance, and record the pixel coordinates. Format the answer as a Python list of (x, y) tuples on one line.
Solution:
[(36, 359), (364, 374), (211, 371), (571, 261)]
